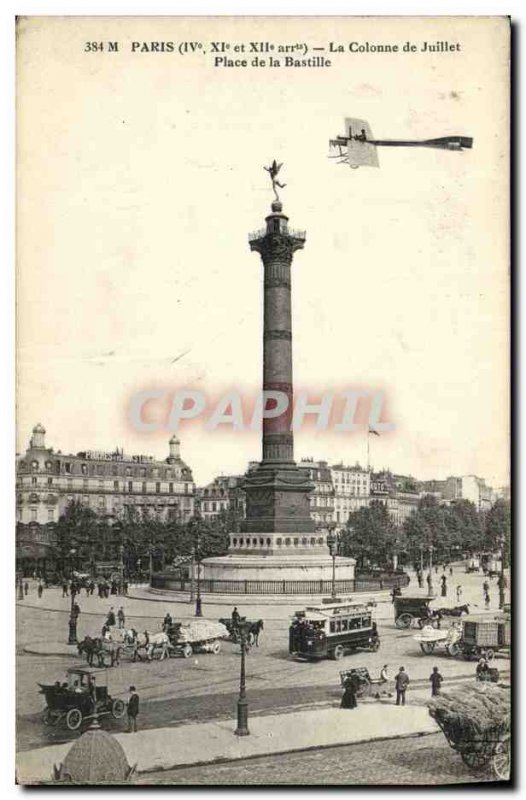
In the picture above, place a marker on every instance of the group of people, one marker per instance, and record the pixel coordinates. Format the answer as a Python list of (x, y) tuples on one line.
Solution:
[(112, 620), (401, 682)]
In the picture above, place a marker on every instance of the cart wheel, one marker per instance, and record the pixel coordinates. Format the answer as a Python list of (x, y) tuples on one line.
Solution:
[(73, 719), (489, 654), (215, 647), (118, 708), (374, 646), (364, 690), (501, 761), (187, 650), (404, 621), (475, 760), (47, 716), (338, 652), (427, 647)]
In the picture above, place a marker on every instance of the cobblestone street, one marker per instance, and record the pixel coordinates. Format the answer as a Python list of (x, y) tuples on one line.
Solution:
[(415, 761)]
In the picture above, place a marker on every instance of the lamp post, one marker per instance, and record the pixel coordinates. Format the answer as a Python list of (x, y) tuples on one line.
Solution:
[(502, 578), (332, 542), (242, 703), (198, 609), (430, 592), (72, 623), (20, 582)]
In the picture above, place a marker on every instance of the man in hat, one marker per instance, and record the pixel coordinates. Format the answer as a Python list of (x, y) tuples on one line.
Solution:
[(132, 710), (436, 679), (401, 684)]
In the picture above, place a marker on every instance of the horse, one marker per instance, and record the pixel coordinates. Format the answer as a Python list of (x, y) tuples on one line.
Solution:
[(99, 648), (457, 611), (91, 647), (150, 642), (254, 630)]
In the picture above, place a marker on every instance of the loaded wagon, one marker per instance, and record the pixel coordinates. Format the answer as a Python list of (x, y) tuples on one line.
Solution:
[(429, 639), (473, 565), (79, 698), (410, 612), (199, 635), (476, 721), (484, 635)]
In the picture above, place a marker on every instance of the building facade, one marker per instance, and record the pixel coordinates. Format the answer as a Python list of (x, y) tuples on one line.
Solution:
[(352, 489), (108, 483), (225, 493), (322, 496)]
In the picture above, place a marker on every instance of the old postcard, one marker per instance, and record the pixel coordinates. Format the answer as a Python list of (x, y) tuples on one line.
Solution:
[(262, 479)]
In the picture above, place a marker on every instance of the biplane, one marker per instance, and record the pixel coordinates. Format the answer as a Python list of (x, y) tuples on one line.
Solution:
[(358, 147)]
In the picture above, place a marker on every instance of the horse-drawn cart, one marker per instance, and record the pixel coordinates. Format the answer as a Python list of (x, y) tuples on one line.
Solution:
[(429, 639), (79, 699), (200, 635), (476, 723), (484, 635), (414, 612), (366, 684)]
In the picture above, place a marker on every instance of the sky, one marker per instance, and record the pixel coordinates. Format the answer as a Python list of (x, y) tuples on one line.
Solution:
[(140, 176)]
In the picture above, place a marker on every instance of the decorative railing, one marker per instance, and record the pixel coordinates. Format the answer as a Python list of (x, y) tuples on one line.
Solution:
[(173, 583)]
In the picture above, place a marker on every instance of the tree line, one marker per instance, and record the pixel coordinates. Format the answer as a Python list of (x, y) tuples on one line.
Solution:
[(452, 531)]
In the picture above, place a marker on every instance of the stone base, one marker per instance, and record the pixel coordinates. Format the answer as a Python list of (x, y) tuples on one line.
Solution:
[(277, 568)]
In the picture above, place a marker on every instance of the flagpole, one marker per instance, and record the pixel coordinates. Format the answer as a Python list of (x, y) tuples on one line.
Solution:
[(368, 451)]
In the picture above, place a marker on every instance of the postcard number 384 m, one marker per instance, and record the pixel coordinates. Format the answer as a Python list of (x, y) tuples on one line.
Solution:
[(100, 47)]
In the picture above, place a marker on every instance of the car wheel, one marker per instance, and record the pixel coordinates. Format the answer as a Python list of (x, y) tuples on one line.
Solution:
[(73, 719), (118, 709)]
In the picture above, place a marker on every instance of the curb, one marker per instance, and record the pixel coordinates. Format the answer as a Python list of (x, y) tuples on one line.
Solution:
[(232, 759)]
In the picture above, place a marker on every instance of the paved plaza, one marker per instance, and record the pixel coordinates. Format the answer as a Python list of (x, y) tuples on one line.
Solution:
[(181, 694)]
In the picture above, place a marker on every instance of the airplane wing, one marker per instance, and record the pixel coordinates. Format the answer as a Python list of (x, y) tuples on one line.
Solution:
[(360, 154)]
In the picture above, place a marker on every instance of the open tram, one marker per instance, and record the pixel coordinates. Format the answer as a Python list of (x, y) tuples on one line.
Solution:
[(331, 630)]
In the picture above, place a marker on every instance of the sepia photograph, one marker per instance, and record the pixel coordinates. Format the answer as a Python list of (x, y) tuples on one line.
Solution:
[(263, 511)]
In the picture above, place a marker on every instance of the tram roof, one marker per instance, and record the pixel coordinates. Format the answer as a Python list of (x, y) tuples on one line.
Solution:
[(337, 609)]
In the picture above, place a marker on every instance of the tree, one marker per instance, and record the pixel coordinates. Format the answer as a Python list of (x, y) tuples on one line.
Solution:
[(497, 533), (369, 535), (77, 529)]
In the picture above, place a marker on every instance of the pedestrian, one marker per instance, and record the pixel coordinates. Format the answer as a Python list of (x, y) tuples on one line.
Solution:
[(110, 619), (349, 692), (485, 588), (436, 568), (459, 594), (133, 710), (443, 590), (64, 589), (235, 617), (451, 572), (40, 591), (125, 587), (436, 679), (384, 677), (167, 622), (429, 581), (401, 683), (121, 617), (26, 588), (75, 610), (487, 600)]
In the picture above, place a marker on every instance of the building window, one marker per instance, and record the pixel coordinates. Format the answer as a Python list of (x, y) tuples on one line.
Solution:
[(84, 469), (171, 488), (50, 515), (67, 467), (115, 484), (33, 481), (50, 481), (33, 515), (130, 486), (158, 487)]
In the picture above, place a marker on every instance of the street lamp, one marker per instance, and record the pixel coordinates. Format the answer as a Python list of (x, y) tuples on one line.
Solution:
[(242, 703), (72, 637), (198, 610), (332, 542), (20, 583), (502, 578), (430, 592)]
